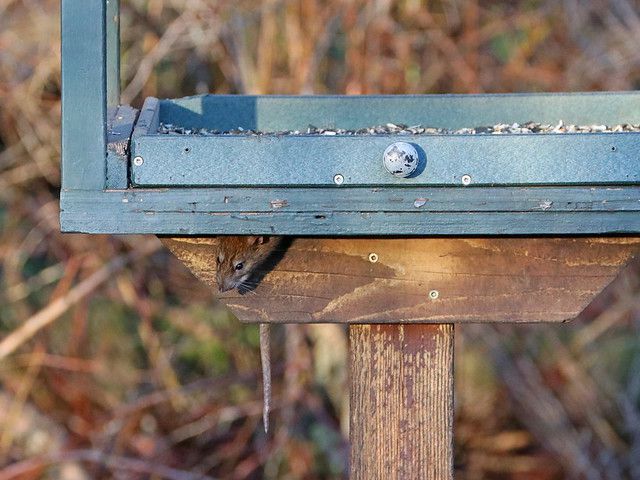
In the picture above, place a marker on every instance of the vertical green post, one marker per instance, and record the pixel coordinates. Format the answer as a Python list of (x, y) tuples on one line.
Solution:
[(113, 52), (84, 94)]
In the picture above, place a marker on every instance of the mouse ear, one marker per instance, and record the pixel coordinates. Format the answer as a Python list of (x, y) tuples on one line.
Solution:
[(253, 240)]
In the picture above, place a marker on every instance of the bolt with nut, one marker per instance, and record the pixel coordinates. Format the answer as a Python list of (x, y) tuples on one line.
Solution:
[(400, 159)]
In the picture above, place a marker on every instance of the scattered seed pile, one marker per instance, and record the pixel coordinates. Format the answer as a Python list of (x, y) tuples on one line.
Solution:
[(398, 129)]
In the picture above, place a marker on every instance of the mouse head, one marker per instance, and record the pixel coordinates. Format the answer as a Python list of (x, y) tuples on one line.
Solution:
[(238, 258)]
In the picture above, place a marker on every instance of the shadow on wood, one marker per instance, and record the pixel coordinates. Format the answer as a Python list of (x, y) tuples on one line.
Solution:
[(269, 264)]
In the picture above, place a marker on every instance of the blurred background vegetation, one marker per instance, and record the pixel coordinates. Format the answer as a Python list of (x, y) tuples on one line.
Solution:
[(132, 371)]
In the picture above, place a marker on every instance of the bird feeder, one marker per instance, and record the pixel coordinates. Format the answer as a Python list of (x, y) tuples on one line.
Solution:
[(400, 233)]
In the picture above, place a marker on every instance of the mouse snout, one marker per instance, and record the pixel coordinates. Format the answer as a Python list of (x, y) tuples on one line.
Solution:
[(225, 286)]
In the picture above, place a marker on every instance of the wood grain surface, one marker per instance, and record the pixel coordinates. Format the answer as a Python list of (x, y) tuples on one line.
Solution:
[(438, 280), (401, 402)]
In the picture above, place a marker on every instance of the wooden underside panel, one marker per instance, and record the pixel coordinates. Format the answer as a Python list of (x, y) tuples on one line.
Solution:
[(422, 280)]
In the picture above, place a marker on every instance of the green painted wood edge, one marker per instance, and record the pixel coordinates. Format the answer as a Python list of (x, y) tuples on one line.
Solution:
[(353, 211), (148, 119), (411, 199), (533, 159), (113, 52), (84, 101), (278, 112), (351, 224), (120, 127)]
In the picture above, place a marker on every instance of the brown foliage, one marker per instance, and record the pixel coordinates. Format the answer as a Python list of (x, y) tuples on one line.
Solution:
[(134, 373)]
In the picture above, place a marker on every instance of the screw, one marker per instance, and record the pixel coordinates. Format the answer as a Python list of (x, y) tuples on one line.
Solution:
[(466, 179), (434, 294), (138, 161), (373, 257), (338, 179)]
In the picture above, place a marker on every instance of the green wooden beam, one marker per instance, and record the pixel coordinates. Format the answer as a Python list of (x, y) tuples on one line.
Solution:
[(84, 95), (534, 159), (112, 33), (314, 160), (356, 211), (283, 112)]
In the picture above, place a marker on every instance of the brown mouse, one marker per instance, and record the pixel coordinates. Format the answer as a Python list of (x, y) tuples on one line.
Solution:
[(239, 258)]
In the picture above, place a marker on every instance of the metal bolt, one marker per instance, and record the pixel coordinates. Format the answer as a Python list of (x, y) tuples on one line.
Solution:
[(373, 257), (434, 294), (400, 159), (138, 161), (338, 179), (466, 179)]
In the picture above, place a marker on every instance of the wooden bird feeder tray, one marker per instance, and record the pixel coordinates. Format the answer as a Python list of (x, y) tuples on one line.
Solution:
[(489, 228)]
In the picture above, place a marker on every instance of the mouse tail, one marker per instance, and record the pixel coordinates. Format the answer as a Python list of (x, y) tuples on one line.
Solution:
[(265, 358)]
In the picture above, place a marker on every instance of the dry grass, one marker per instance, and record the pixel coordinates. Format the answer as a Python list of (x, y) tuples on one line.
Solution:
[(118, 364)]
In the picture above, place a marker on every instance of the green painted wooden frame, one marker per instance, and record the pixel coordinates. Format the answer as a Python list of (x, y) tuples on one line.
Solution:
[(313, 160), (194, 185)]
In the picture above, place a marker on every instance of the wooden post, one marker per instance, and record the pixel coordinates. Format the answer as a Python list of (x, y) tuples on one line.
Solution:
[(402, 366), (401, 401)]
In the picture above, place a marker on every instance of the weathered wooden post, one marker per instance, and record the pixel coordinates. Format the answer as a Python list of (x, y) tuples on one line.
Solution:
[(444, 229), (401, 401)]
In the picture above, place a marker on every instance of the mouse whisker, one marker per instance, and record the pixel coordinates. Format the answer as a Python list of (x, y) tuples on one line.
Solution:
[(247, 287)]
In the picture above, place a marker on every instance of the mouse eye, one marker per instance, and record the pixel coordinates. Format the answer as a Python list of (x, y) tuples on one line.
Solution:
[(239, 266)]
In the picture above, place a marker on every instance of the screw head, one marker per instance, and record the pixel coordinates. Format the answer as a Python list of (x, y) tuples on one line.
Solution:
[(466, 180), (138, 161), (400, 159), (373, 257), (434, 294), (338, 179)]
